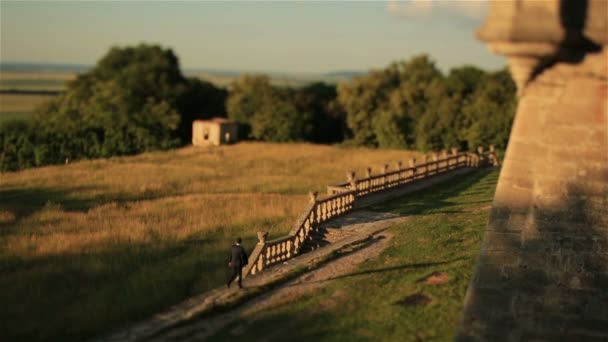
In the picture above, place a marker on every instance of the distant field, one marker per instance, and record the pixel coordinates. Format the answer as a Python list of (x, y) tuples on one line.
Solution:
[(20, 106), (57, 80), (34, 80), (17, 106), (21, 102), (95, 245), (287, 80)]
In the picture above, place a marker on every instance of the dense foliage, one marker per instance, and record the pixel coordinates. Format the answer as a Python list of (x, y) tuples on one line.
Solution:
[(136, 99), (270, 113), (411, 104)]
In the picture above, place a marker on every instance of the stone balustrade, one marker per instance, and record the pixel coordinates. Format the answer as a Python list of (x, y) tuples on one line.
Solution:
[(268, 253), (434, 164), (341, 199)]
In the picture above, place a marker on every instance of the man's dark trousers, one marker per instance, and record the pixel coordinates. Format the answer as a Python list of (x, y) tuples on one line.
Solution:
[(238, 259)]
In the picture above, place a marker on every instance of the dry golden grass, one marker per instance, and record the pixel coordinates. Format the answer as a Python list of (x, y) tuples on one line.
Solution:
[(22, 103), (55, 231), (241, 168), (117, 228), (53, 76), (173, 195)]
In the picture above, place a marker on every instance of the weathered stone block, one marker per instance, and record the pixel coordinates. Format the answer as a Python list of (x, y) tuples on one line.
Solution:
[(511, 196), (499, 259), (547, 239), (499, 241)]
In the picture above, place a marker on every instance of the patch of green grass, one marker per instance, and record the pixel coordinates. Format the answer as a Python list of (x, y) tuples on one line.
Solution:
[(93, 246), (443, 235)]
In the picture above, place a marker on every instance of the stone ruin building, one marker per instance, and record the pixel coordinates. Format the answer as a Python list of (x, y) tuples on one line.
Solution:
[(542, 274), (217, 131)]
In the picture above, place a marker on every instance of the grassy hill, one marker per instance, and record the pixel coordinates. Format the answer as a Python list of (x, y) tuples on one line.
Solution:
[(95, 245), (413, 292)]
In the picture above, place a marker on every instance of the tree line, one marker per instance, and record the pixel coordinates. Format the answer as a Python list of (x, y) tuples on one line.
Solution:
[(136, 99)]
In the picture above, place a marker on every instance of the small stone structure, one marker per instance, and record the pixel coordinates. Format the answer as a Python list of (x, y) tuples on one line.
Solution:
[(542, 274), (217, 131), (357, 193)]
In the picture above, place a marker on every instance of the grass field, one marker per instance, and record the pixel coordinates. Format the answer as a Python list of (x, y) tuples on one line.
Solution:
[(392, 297), (20, 106), (96, 245), (34, 80)]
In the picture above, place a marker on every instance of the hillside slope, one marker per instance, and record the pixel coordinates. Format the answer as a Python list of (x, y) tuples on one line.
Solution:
[(96, 245)]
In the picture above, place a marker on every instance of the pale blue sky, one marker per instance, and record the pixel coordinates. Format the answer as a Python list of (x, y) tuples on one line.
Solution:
[(250, 36)]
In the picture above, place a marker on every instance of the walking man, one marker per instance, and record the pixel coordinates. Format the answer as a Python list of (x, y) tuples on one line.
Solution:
[(238, 260)]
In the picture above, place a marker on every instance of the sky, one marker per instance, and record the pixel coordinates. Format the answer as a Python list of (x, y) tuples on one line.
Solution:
[(271, 36)]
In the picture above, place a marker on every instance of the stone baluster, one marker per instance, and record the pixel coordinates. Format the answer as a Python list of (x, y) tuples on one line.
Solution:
[(436, 162), (352, 181), (384, 176), (493, 157), (413, 166), (368, 174), (399, 168), (455, 155)]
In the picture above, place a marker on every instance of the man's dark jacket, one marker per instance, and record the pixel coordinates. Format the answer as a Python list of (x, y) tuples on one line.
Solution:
[(238, 256)]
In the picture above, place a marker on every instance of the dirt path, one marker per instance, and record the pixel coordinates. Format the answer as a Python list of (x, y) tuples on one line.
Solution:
[(290, 291)]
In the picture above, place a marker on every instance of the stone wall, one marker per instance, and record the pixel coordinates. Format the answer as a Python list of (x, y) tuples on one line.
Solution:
[(543, 269)]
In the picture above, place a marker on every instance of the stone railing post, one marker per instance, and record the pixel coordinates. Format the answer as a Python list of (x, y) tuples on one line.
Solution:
[(384, 176), (480, 161), (493, 157), (353, 184), (455, 154), (368, 172), (413, 166), (313, 197), (399, 168), (257, 258), (262, 235), (436, 160), (350, 178)]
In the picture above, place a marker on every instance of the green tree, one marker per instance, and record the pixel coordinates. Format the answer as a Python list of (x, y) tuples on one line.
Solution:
[(132, 101), (328, 118), (395, 96), (279, 121), (248, 94), (491, 110)]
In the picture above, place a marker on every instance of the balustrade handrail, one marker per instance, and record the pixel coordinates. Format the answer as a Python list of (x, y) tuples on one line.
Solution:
[(342, 197)]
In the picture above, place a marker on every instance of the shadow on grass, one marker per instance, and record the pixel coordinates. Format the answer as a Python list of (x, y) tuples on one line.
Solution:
[(73, 297), (23, 202), (389, 269), (430, 200)]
